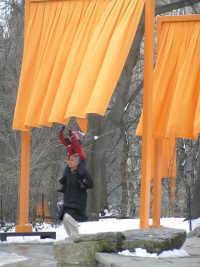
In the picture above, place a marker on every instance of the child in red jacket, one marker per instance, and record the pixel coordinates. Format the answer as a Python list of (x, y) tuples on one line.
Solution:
[(73, 146), (72, 143)]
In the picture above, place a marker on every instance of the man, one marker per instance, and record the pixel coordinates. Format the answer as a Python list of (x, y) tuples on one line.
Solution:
[(75, 182)]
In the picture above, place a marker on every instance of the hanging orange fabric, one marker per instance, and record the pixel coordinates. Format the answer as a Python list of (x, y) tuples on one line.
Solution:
[(167, 157), (176, 105), (74, 52)]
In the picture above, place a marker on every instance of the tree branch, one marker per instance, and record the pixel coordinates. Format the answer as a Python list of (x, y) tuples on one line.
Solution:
[(163, 8)]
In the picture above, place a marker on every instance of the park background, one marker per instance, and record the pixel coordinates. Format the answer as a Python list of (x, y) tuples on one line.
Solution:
[(113, 150)]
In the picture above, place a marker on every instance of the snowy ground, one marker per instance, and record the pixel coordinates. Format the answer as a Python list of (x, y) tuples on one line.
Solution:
[(104, 225), (140, 252)]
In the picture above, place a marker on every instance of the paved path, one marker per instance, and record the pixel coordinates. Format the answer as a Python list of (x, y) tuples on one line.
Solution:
[(37, 254), (41, 255)]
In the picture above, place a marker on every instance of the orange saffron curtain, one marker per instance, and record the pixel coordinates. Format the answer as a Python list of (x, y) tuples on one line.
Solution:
[(74, 52), (176, 105), (166, 150)]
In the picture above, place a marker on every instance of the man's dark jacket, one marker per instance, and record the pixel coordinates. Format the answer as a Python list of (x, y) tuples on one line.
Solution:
[(75, 185)]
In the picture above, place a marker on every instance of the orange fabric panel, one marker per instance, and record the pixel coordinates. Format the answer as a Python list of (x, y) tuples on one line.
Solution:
[(74, 52), (176, 104), (166, 151)]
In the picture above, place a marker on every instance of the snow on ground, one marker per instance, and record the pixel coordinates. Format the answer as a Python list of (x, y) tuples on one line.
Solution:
[(103, 225), (140, 252), (111, 225)]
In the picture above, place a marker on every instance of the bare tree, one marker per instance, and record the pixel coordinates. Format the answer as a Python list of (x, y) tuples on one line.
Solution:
[(113, 150)]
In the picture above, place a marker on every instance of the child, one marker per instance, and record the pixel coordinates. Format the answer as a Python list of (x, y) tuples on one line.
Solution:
[(72, 143)]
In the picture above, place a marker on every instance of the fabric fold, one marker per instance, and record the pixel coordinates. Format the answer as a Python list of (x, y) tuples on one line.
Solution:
[(176, 82), (74, 52)]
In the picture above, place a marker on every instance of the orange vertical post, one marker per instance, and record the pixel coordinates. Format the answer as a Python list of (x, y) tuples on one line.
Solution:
[(23, 225), (157, 177), (147, 114), (157, 193)]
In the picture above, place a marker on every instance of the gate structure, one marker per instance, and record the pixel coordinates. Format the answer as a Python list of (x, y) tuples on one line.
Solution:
[(74, 52)]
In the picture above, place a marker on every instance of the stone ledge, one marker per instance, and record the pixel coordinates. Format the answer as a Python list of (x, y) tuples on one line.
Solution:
[(192, 246), (195, 232), (154, 240), (82, 250), (114, 260)]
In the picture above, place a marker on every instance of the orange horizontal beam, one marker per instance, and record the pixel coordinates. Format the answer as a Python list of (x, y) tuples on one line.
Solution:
[(187, 18)]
